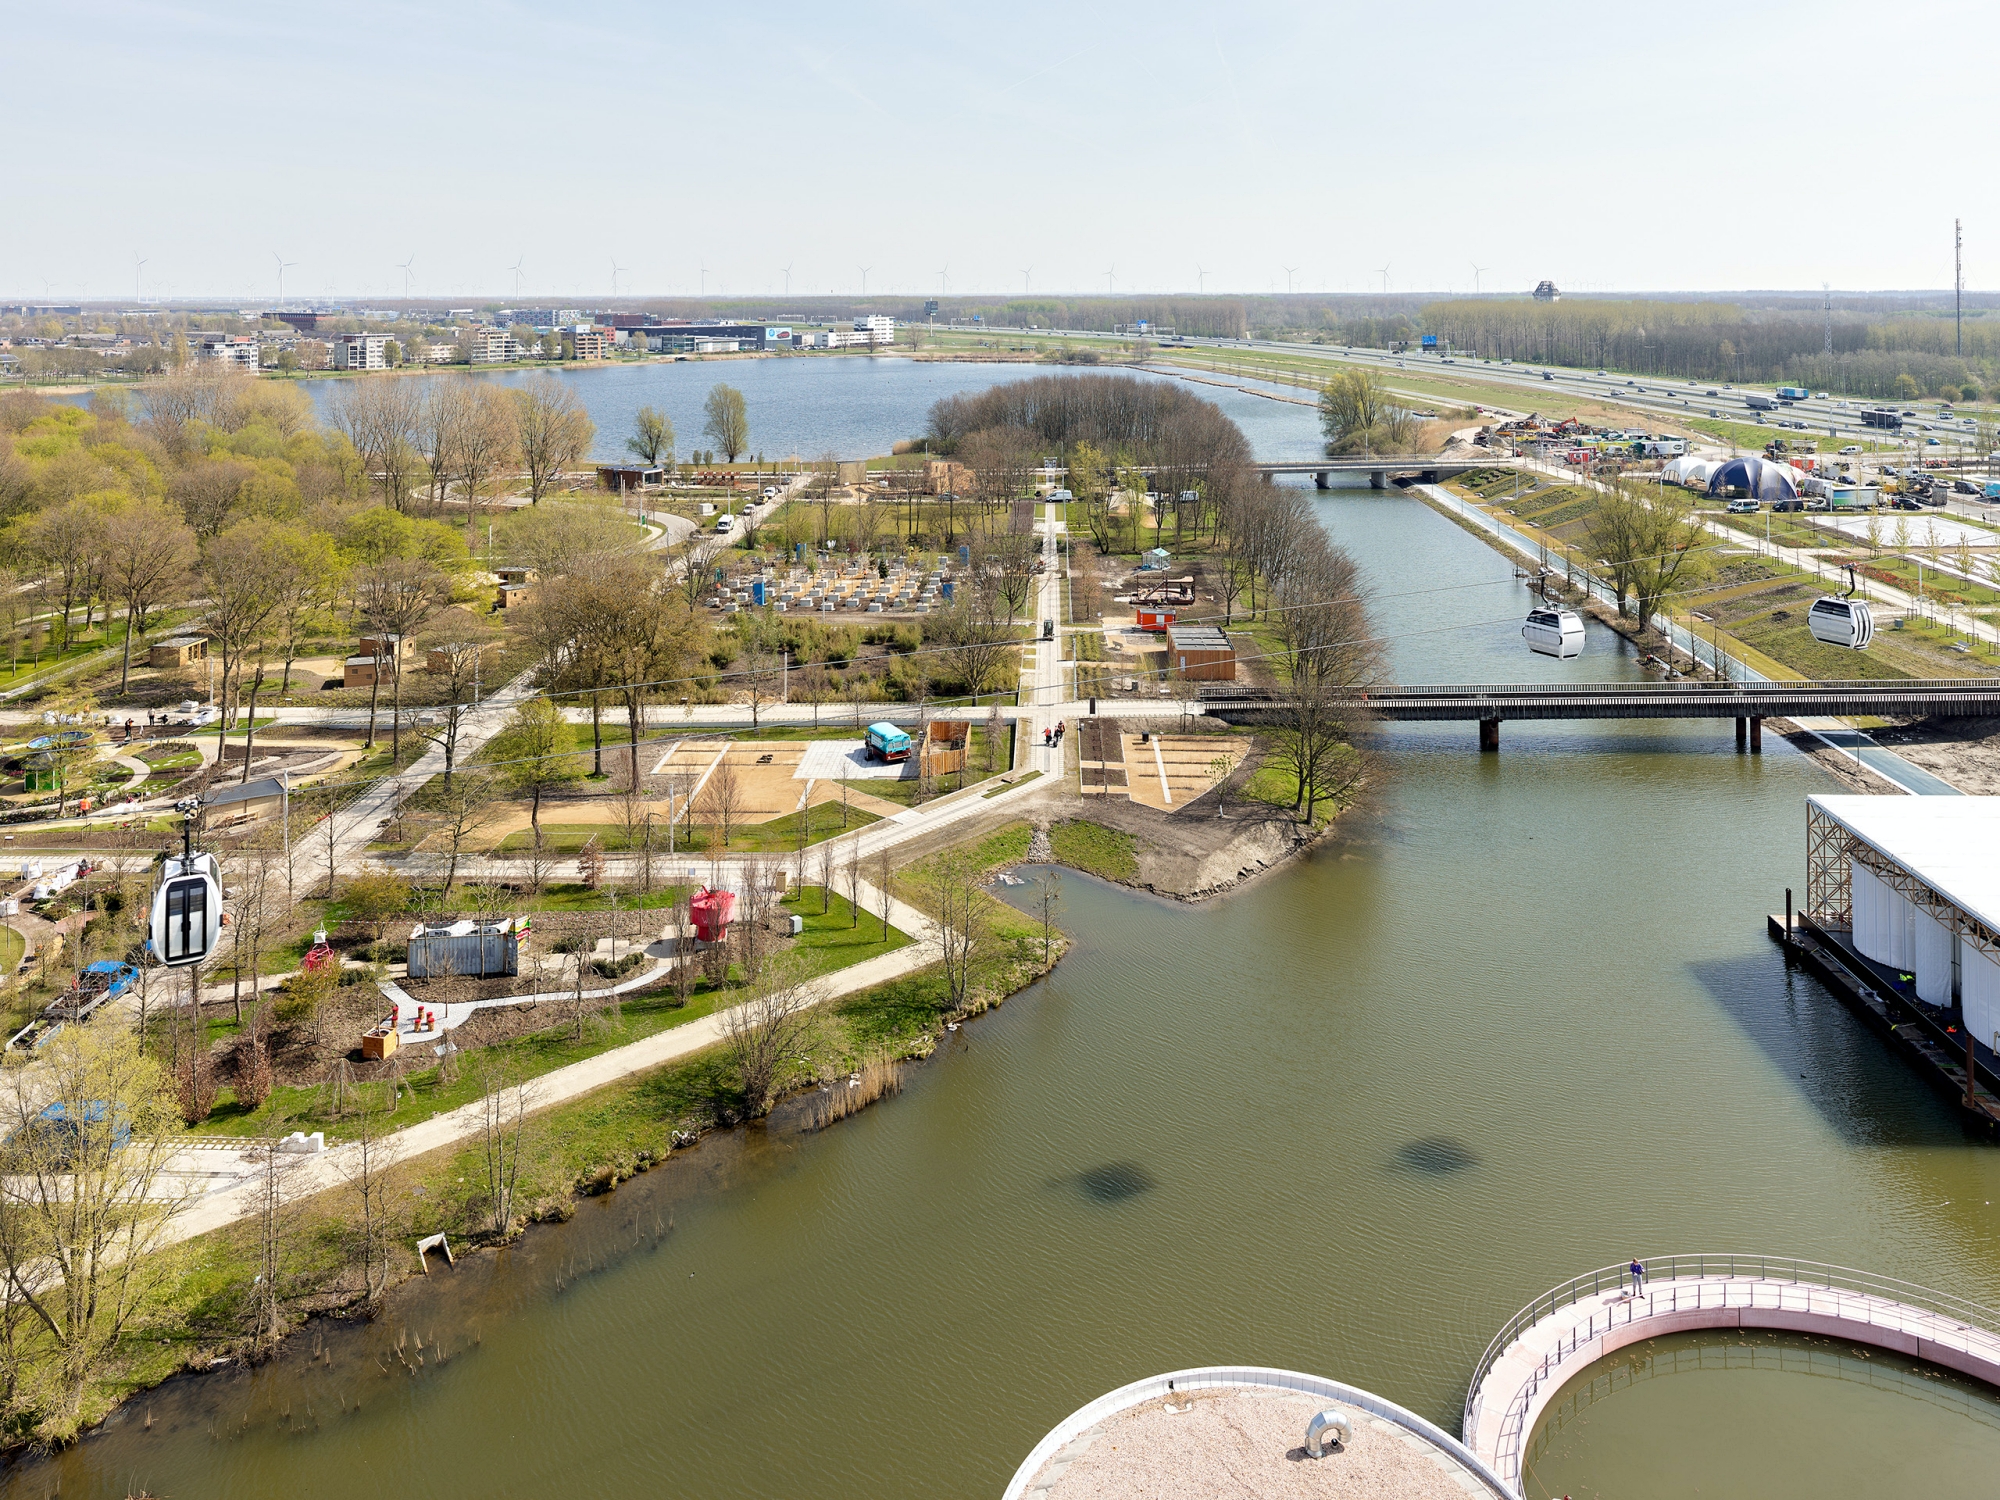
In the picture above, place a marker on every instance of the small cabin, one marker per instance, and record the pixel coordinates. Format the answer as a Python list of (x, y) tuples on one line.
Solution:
[(1201, 653), (944, 745), (244, 802), (363, 671), (177, 652), (400, 647), (1154, 617)]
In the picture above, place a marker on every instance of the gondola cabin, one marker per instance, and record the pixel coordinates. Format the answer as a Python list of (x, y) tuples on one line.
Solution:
[(1842, 622), (187, 910), (1553, 631)]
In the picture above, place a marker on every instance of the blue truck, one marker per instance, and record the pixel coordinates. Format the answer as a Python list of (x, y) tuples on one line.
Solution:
[(887, 742)]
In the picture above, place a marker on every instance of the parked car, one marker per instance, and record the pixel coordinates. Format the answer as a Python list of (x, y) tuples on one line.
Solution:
[(1851, 448), (1795, 503), (1964, 487), (1744, 507)]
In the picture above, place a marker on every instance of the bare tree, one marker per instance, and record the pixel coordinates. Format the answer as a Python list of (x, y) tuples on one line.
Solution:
[(367, 1169), (506, 1099), (767, 1031), (552, 431), (854, 883), (148, 554), (396, 597), (721, 803), (950, 894), (85, 1205), (884, 875)]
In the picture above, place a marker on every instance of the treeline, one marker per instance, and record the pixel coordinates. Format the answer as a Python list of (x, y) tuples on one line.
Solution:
[(1903, 355)]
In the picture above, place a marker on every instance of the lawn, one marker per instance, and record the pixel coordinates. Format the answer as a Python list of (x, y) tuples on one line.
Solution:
[(1094, 849), (12, 947), (824, 820), (832, 940)]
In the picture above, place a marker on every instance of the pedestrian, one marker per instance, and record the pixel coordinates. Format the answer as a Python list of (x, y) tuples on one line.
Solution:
[(1045, 737), (128, 731), (1638, 1275)]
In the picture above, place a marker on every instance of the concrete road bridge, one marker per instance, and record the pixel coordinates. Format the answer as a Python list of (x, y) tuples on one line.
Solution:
[(1562, 1333), (1384, 469), (1748, 703)]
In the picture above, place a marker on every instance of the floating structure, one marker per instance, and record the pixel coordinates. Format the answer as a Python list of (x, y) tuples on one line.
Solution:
[(1249, 1429), (1902, 919)]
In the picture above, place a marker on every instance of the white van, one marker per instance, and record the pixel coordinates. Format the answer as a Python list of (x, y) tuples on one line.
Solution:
[(725, 523)]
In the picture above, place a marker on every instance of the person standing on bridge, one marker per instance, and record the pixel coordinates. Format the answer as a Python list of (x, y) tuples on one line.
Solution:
[(1638, 1276)]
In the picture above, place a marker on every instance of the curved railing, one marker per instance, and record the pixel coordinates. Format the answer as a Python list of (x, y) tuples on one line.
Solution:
[(1958, 1314), (1256, 1377)]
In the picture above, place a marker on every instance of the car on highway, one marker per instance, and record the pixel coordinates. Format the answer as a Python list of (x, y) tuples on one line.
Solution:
[(1711, 393), (1713, 412), (1933, 443), (1851, 448)]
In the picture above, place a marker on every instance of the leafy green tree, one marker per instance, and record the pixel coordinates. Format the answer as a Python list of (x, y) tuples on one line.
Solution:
[(728, 420), (652, 437), (536, 751)]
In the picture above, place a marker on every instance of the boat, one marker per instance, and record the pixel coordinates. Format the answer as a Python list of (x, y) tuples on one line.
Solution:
[(1552, 630)]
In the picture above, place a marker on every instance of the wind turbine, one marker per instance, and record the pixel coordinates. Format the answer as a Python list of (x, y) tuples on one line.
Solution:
[(1478, 271), (788, 282), (1200, 280), (616, 271), (519, 261), (1107, 280), (283, 265), (1383, 272), (864, 279), (1288, 270), (1024, 279), (138, 277), (704, 278), (404, 267), (941, 280)]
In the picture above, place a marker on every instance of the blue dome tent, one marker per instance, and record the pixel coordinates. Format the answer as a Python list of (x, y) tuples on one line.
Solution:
[(1758, 478)]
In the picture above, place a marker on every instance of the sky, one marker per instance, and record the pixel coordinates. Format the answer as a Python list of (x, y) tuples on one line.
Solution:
[(1140, 148)]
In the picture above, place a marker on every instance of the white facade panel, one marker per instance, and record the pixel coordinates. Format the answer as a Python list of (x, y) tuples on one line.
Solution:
[(1979, 988), (1931, 959), (1884, 920)]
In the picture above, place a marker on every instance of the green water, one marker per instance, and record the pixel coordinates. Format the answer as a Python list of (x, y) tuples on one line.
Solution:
[(1518, 1019)]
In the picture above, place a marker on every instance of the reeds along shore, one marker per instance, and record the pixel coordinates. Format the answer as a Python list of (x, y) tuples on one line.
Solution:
[(836, 1099)]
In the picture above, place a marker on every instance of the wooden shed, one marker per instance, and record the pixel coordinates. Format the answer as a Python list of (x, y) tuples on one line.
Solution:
[(1201, 653), (177, 652), (942, 747)]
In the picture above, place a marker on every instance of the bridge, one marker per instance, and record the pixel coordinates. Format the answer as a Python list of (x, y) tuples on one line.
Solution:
[(1748, 703), (1382, 469), (1565, 1331)]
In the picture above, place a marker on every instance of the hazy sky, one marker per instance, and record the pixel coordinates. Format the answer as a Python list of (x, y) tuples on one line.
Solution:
[(1700, 145)]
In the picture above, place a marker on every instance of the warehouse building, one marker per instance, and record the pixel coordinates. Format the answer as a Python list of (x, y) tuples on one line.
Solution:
[(1912, 885)]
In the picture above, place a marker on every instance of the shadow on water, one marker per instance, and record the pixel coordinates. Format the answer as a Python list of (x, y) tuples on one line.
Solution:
[(1437, 1155), (1863, 1090), (1114, 1181)]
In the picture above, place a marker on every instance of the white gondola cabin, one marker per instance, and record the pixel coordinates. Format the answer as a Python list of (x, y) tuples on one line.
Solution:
[(187, 910), (1554, 631), (1842, 622)]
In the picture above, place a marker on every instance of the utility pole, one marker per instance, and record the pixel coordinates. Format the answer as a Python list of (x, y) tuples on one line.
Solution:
[(1958, 281)]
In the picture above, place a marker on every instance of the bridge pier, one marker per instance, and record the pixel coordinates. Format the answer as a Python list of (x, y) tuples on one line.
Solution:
[(1489, 734), (1742, 733), (1320, 480), (1378, 479), (1756, 734)]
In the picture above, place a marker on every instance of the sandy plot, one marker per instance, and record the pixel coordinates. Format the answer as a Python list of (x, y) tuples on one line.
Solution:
[(1169, 771)]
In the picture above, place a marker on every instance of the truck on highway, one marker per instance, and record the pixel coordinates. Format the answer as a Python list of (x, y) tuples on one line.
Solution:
[(1793, 393), (1758, 402), (1882, 416)]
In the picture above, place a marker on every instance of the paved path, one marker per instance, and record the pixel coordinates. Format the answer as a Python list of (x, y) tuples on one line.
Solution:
[(221, 1172), (1521, 1378)]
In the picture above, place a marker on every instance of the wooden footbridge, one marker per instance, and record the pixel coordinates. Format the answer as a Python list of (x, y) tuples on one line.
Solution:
[(1748, 703)]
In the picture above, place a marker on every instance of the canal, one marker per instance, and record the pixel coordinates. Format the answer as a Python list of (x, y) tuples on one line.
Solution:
[(1517, 1018)]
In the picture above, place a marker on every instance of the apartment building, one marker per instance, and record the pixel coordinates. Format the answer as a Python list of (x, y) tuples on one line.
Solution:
[(494, 346), (360, 351)]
